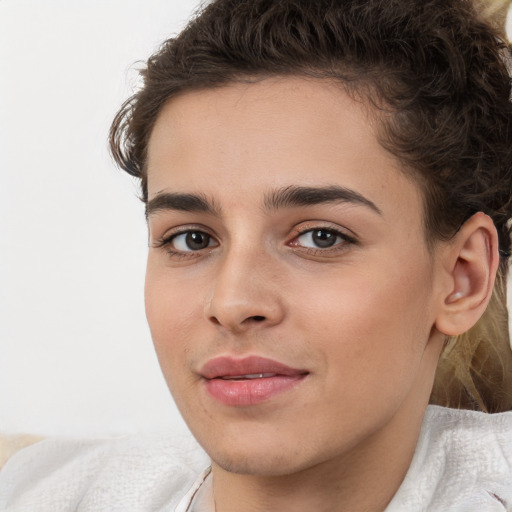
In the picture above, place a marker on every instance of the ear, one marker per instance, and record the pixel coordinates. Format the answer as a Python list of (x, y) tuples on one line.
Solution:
[(470, 262)]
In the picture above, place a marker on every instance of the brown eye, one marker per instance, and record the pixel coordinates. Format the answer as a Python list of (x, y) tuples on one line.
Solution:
[(319, 239), (324, 238), (196, 240), (192, 241)]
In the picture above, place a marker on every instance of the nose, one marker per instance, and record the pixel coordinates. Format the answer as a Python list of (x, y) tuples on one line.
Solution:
[(246, 293)]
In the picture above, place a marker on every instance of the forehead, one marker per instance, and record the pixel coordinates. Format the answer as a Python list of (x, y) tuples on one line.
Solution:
[(273, 134)]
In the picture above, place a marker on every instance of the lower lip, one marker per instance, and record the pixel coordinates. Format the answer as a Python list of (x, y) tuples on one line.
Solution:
[(250, 391)]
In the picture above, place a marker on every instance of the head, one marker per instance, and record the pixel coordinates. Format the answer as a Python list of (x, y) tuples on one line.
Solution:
[(426, 90)]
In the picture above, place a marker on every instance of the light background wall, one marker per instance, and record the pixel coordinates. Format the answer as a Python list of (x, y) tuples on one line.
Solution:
[(75, 351)]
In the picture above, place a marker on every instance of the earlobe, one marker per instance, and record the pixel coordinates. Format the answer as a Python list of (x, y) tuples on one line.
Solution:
[(472, 261)]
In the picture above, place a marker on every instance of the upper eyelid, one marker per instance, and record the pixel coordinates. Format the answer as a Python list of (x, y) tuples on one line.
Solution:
[(330, 230), (180, 230), (327, 226), (321, 228)]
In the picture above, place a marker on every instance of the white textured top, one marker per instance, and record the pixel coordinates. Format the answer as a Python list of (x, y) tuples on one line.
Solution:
[(462, 463)]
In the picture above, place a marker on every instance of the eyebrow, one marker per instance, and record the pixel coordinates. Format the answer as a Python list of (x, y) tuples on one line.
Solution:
[(289, 197), (181, 202)]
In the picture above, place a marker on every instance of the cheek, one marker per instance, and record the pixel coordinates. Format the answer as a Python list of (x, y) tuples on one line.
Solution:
[(370, 323), (173, 313)]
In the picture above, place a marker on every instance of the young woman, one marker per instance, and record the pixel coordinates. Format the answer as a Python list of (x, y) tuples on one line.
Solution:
[(328, 188)]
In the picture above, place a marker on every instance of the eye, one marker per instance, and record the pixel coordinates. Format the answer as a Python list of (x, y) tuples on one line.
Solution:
[(189, 241), (320, 239)]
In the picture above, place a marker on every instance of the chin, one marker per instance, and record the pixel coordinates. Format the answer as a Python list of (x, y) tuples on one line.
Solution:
[(264, 456), (261, 464)]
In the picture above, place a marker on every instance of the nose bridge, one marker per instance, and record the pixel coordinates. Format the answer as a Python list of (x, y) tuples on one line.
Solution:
[(244, 292)]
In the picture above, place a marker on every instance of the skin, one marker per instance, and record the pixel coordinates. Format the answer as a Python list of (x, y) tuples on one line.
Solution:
[(360, 316)]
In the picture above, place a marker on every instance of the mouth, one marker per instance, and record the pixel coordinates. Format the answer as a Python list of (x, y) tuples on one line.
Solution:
[(248, 381)]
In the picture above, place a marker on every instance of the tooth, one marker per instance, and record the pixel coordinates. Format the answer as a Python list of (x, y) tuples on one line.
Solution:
[(249, 376)]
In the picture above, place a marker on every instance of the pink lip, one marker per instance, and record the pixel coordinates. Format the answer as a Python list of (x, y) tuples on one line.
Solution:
[(277, 378)]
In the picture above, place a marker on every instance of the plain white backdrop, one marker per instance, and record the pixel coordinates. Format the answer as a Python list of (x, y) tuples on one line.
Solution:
[(75, 352)]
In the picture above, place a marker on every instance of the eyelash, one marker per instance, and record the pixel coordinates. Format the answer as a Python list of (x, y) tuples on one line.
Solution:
[(340, 244)]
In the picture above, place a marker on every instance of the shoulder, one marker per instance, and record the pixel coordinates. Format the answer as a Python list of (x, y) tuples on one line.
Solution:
[(463, 461), (10, 444), (136, 473)]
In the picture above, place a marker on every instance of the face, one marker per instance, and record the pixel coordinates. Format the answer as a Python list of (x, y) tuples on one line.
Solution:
[(289, 289)]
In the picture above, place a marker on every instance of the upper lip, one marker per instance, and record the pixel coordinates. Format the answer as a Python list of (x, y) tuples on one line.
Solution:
[(226, 366)]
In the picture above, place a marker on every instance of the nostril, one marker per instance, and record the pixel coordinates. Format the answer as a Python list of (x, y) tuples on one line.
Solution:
[(258, 318)]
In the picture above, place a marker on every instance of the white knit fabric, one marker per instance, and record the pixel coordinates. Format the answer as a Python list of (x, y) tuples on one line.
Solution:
[(463, 463)]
